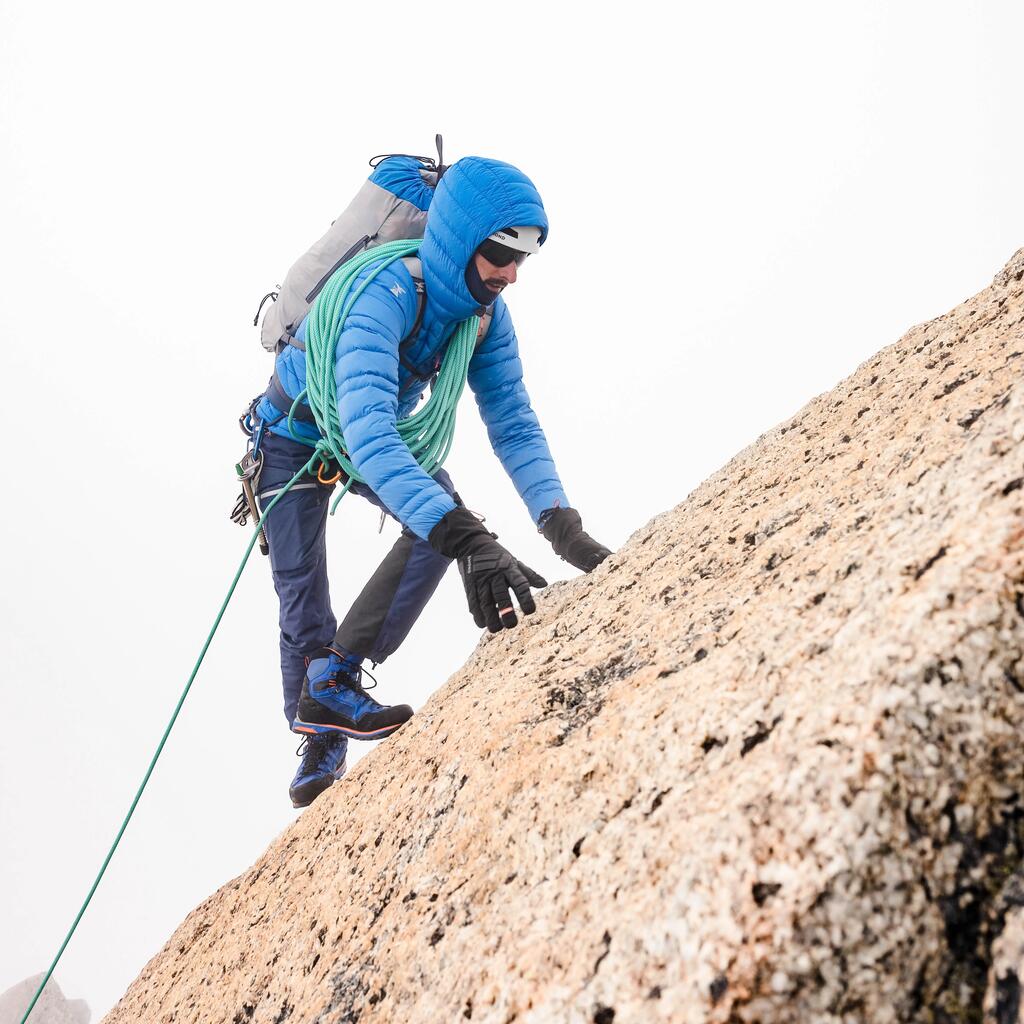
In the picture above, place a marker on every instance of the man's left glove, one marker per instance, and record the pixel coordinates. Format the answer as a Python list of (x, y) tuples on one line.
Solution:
[(564, 529)]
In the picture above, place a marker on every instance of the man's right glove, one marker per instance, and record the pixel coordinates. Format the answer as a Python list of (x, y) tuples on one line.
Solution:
[(487, 570), (563, 528)]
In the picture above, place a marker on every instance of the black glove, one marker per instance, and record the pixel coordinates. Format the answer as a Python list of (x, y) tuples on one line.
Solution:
[(564, 529), (487, 570)]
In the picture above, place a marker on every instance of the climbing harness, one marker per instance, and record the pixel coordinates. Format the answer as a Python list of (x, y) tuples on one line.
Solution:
[(428, 433)]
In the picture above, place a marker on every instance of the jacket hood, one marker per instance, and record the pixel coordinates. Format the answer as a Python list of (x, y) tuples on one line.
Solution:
[(475, 198)]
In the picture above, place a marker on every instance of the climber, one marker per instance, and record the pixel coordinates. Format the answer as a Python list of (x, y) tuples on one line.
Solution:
[(483, 220)]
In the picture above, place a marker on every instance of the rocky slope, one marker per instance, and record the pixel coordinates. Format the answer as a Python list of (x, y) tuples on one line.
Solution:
[(763, 765), (51, 1007)]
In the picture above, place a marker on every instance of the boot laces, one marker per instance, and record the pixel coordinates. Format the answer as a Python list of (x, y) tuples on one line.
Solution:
[(312, 750), (353, 681)]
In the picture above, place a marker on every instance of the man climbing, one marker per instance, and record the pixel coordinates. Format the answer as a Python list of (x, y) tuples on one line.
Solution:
[(483, 219)]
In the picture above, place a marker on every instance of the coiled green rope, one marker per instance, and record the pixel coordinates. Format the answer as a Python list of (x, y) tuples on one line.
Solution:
[(428, 433)]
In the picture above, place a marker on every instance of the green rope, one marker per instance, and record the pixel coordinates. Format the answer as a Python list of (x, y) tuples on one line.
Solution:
[(428, 434)]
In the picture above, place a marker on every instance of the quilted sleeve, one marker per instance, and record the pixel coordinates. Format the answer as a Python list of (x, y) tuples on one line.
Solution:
[(366, 372), (496, 378)]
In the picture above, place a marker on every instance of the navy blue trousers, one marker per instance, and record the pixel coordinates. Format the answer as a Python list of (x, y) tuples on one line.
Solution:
[(386, 608)]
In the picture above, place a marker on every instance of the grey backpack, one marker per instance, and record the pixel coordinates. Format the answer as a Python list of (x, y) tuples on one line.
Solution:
[(376, 215)]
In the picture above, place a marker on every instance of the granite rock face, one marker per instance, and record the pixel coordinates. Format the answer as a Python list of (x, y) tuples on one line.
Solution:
[(51, 1007), (763, 765)]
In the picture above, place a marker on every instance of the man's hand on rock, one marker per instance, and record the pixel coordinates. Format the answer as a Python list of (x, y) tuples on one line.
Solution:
[(488, 570), (563, 528)]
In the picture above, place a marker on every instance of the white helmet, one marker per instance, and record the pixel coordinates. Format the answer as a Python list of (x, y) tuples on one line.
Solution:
[(522, 239)]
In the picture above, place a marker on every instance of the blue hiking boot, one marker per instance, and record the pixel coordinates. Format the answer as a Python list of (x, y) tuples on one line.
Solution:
[(333, 701), (323, 761)]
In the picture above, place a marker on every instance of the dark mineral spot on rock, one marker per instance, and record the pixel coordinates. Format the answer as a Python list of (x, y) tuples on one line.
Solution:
[(718, 988), (604, 1015), (921, 570), (1008, 999), (710, 742), (656, 802), (580, 700), (949, 388), (763, 891), (655, 992), (758, 736), (1013, 485), (700, 655)]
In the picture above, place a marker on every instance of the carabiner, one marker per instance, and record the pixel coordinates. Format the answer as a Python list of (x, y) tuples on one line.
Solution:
[(319, 475), (258, 437)]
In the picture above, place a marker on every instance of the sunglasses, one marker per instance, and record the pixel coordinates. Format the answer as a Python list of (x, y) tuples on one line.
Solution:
[(500, 255)]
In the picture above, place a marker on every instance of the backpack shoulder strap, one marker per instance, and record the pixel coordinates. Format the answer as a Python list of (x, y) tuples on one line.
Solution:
[(415, 268)]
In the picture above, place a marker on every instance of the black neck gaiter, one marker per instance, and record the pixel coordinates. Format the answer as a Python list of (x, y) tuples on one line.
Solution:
[(474, 282)]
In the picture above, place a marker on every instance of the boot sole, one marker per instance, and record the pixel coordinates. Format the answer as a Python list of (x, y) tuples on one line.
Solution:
[(314, 728)]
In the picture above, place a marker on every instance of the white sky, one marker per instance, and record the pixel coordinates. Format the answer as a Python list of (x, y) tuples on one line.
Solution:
[(746, 201)]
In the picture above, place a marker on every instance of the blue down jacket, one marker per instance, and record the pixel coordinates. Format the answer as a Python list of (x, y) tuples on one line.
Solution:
[(476, 197)]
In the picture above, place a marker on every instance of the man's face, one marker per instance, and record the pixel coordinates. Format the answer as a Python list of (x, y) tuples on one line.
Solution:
[(495, 278)]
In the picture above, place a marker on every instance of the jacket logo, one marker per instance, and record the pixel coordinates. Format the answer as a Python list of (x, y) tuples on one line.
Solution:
[(396, 290)]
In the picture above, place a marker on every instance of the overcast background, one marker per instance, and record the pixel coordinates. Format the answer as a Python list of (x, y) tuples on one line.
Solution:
[(746, 201)]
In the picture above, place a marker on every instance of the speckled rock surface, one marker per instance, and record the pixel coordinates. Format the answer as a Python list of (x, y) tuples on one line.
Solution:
[(51, 1007), (764, 764)]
